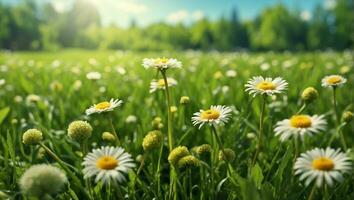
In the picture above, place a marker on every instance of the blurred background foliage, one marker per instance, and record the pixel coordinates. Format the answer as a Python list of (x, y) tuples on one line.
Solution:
[(29, 26)]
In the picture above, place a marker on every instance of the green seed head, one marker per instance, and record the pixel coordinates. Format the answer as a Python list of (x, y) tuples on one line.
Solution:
[(228, 156), (152, 140), (177, 153), (309, 94), (32, 137), (203, 149), (347, 116), (188, 161), (108, 137), (79, 130)]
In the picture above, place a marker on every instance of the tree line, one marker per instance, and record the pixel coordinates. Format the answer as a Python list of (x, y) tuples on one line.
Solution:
[(29, 26)]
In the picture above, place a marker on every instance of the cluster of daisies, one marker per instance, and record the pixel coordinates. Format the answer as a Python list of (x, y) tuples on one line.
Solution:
[(109, 164)]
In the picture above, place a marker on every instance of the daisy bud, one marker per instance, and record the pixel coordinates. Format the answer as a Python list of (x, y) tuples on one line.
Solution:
[(41, 153), (32, 137), (42, 179), (176, 154), (184, 100), (108, 137), (309, 94), (188, 161), (139, 158), (156, 123), (152, 140), (228, 156), (173, 109), (251, 136), (203, 149), (79, 130), (347, 116)]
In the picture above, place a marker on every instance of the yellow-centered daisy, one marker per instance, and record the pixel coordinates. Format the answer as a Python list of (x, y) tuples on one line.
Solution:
[(333, 81), (107, 164), (160, 84), (161, 63), (299, 126), (104, 106), (322, 166), (215, 115), (268, 86)]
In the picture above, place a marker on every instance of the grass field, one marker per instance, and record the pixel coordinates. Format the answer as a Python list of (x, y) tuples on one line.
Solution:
[(48, 91)]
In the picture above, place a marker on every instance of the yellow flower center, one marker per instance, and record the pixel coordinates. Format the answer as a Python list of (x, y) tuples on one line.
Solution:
[(334, 80), (323, 164), (107, 162), (210, 114), (161, 83), (103, 105), (266, 85), (161, 60), (300, 121)]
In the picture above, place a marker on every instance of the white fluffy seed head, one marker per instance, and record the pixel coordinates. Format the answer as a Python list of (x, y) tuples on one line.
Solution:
[(42, 179)]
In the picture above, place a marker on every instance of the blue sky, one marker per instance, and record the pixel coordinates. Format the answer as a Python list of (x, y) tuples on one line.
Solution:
[(144, 12)]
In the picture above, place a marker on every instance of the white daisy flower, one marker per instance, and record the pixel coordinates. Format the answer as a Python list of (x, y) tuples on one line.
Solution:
[(216, 115), (161, 63), (93, 75), (333, 80), (268, 86), (322, 166), (107, 164), (300, 125), (160, 84), (104, 106)]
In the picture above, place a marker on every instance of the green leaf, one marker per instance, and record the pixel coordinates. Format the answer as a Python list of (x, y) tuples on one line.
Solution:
[(3, 113), (284, 162), (257, 175)]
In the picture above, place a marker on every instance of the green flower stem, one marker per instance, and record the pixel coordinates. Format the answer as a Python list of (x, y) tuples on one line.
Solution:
[(64, 165), (142, 163), (301, 109), (296, 149), (312, 192), (173, 176), (84, 147), (339, 132), (113, 130), (158, 169), (335, 105), (169, 114), (261, 124)]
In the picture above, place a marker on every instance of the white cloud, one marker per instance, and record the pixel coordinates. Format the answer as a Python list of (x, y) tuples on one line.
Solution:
[(184, 16), (329, 4), (125, 6), (305, 15), (61, 5)]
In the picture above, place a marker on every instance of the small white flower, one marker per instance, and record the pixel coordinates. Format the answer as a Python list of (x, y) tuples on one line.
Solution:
[(161, 63), (322, 165), (32, 98), (108, 164), (104, 106), (333, 80), (131, 119), (231, 73), (2, 82), (300, 125), (160, 84), (268, 86), (216, 115), (93, 76)]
